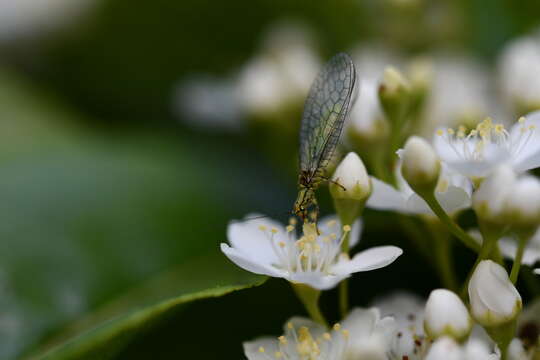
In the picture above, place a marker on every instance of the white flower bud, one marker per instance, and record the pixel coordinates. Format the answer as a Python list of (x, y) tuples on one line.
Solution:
[(393, 81), (494, 299), (489, 201), (537, 271), (351, 180), (445, 348), (446, 315), (420, 73), (421, 166), (523, 204), (394, 95)]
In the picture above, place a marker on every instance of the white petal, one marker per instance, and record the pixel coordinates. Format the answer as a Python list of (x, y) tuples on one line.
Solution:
[(253, 242), (454, 199), (386, 197), (495, 289), (270, 345), (318, 280), (246, 262), (527, 157), (417, 205), (371, 259), (325, 229), (537, 271), (509, 248)]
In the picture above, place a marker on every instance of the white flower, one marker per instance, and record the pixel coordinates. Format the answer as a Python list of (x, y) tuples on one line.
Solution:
[(281, 73), (460, 93), (266, 247), (207, 102), (537, 271), (420, 165), (531, 254), (478, 152), (453, 192), (494, 299), (519, 72), (408, 311), (362, 335), (350, 180), (446, 315)]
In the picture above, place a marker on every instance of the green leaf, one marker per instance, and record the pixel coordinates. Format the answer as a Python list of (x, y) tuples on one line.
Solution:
[(107, 331)]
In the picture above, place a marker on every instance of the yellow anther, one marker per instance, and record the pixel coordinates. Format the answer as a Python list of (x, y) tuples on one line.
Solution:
[(317, 248), (326, 239), (281, 244), (331, 223), (261, 349), (345, 333), (346, 228), (337, 326), (532, 127), (522, 119), (450, 131), (344, 256), (499, 128), (274, 230), (263, 228), (290, 325), (333, 236), (327, 336), (283, 340), (440, 132), (462, 128), (278, 354), (289, 228), (473, 132)]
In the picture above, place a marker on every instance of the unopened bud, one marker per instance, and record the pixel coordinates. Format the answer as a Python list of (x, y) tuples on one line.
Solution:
[(446, 315), (523, 205), (489, 201), (494, 299), (421, 166), (351, 180)]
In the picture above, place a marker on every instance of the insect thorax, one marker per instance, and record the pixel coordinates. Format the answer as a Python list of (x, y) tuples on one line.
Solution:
[(309, 180)]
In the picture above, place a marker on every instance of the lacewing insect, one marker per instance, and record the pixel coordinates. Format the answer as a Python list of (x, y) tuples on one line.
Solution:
[(326, 108)]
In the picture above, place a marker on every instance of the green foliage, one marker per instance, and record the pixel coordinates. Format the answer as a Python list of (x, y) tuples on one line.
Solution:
[(120, 322)]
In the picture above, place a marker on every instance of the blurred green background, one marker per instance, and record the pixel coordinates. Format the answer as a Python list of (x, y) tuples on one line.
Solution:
[(106, 186)]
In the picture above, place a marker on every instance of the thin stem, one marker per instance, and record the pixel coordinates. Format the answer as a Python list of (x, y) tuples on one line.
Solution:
[(344, 298), (488, 243), (517, 260), (443, 253), (454, 228), (310, 298)]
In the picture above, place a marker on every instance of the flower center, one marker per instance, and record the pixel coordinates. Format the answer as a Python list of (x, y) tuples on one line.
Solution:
[(312, 252), (299, 344), (473, 145)]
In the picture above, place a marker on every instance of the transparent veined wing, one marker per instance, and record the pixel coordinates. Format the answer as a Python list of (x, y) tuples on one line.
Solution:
[(325, 111)]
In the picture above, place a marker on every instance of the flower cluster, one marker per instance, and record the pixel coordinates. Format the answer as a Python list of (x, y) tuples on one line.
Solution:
[(481, 165)]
